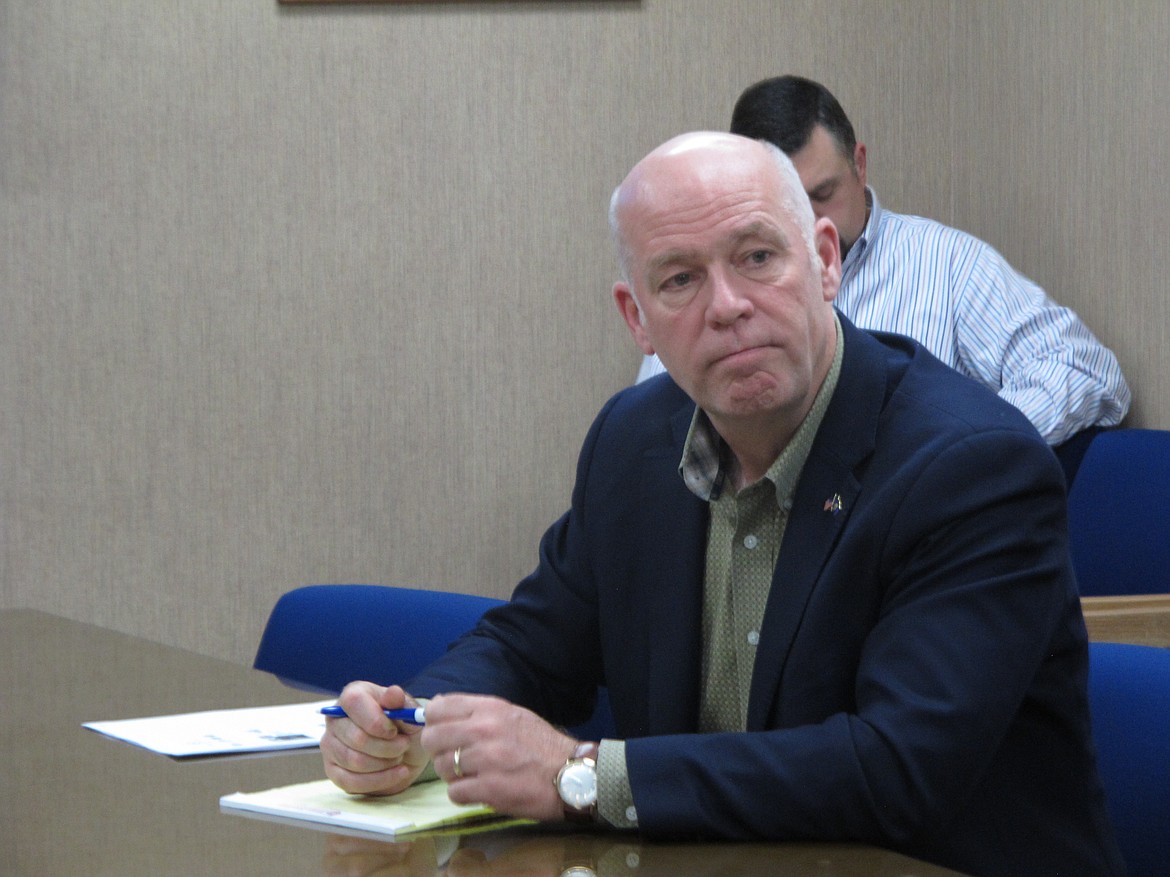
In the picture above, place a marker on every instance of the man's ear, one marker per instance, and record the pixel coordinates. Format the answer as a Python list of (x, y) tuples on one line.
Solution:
[(828, 246), (859, 162), (623, 296)]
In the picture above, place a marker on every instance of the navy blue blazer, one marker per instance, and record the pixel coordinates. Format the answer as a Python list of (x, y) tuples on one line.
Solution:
[(920, 679)]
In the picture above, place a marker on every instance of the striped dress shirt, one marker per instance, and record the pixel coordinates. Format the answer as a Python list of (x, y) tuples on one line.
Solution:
[(961, 300)]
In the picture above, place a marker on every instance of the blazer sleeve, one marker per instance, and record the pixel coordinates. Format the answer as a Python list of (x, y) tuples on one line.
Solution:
[(923, 670)]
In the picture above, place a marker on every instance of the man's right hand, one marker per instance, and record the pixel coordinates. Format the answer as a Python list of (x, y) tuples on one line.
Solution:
[(367, 753)]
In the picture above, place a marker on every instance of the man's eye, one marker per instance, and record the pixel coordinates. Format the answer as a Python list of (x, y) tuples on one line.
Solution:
[(678, 281), (820, 196), (759, 257)]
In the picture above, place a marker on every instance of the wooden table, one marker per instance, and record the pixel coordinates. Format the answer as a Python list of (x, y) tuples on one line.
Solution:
[(75, 802)]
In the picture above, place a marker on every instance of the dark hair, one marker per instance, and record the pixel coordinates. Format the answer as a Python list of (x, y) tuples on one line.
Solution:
[(783, 110)]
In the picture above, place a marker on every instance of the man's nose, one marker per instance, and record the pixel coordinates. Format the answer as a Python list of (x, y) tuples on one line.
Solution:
[(728, 301)]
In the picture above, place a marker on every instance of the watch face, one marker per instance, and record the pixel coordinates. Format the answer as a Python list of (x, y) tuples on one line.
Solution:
[(579, 871), (578, 785)]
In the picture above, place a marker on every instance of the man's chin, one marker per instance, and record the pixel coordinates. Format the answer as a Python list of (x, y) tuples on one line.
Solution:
[(748, 395)]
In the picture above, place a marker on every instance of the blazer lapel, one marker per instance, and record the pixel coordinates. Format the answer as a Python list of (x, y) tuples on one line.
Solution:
[(824, 498), (676, 545)]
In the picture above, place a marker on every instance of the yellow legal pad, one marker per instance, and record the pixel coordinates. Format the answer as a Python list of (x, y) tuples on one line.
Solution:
[(423, 807)]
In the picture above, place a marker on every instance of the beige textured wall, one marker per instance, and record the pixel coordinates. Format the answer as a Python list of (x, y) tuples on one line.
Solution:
[(307, 294)]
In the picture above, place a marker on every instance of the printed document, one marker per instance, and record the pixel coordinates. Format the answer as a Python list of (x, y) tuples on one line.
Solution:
[(223, 732)]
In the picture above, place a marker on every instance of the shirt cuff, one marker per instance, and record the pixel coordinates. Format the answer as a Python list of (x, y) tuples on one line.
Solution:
[(615, 798)]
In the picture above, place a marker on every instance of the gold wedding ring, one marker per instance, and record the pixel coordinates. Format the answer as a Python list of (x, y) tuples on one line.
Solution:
[(458, 769)]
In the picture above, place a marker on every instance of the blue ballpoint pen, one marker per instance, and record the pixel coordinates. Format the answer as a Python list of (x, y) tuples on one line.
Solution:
[(414, 715)]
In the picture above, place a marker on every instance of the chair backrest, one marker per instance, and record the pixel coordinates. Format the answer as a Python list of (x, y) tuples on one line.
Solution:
[(321, 637), (1129, 696), (1119, 514)]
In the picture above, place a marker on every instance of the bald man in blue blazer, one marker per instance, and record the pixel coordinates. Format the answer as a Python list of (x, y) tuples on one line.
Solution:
[(910, 669)]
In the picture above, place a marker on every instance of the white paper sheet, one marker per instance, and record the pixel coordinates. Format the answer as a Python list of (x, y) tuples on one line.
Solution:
[(223, 732)]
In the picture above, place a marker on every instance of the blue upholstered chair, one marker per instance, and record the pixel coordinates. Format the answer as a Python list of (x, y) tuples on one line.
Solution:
[(321, 637), (1129, 694), (1119, 514)]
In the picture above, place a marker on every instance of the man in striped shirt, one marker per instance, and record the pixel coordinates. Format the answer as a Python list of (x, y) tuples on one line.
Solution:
[(943, 287)]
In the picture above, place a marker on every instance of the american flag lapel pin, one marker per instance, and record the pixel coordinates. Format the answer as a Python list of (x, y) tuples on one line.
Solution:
[(833, 504)]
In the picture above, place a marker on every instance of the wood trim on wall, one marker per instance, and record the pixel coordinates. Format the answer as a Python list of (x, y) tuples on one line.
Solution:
[(1142, 619)]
